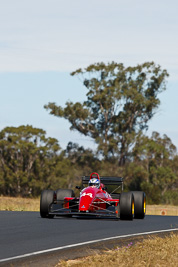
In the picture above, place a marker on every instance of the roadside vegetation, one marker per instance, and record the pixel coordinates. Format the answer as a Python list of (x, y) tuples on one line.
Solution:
[(120, 102), (19, 204), (154, 251)]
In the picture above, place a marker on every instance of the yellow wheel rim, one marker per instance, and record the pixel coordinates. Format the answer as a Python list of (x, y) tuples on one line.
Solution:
[(132, 207), (144, 205)]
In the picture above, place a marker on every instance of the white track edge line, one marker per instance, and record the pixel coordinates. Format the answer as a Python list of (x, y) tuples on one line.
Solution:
[(84, 243)]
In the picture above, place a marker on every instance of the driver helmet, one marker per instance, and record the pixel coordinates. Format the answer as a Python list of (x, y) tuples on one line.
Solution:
[(94, 182)]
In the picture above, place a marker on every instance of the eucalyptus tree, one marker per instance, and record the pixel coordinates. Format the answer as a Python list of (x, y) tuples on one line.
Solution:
[(156, 157), (27, 159), (120, 101)]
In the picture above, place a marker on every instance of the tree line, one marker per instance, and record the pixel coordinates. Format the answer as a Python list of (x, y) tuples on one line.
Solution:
[(119, 104)]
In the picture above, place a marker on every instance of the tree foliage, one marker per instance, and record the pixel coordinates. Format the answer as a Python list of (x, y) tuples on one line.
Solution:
[(155, 156), (120, 102), (27, 160), (30, 162)]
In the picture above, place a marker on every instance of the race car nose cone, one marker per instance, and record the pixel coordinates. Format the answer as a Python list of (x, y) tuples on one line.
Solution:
[(84, 204), (86, 198)]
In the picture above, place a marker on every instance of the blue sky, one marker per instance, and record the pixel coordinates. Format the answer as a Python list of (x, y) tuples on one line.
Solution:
[(41, 42)]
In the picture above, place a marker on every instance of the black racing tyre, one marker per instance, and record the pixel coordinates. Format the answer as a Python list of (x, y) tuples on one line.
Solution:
[(45, 200), (62, 193), (140, 204), (126, 206)]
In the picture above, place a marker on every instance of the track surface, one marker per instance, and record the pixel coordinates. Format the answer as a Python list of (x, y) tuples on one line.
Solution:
[(26, 232)]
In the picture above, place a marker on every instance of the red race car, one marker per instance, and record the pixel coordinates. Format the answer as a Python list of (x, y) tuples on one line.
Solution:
[(94, 200)]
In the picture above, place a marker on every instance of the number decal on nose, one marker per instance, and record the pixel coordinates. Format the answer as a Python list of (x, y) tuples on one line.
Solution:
[(87, 194)]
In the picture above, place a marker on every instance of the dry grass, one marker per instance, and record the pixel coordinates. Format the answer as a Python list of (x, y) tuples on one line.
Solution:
[(33, 204), (151, 252), (162, 210), (19, 204)]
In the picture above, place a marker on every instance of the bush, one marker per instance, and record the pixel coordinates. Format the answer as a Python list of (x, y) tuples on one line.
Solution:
[(171, 198)]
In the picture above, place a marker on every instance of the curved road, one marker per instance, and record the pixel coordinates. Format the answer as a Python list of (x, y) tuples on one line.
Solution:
[(26, 232)]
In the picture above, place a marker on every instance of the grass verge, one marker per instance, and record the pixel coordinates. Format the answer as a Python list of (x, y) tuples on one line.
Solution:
[(19, 204), (155, 251), (33, 204)]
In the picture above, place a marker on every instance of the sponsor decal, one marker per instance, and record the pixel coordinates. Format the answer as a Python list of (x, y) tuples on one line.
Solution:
[(87, 194), (83, 206)]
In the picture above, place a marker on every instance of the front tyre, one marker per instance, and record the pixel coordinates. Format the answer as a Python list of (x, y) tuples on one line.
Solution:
[(140, 204), (126, 206), (45, 200)]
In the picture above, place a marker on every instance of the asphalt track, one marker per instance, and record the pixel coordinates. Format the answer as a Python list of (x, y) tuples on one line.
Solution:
[(26, 232)]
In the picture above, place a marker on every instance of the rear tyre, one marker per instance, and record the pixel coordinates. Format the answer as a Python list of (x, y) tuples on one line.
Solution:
[(62, 193), (140, 204), (126, 206), (45, 200)]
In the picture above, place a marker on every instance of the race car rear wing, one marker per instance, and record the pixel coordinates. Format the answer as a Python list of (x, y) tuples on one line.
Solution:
[(106, 180)]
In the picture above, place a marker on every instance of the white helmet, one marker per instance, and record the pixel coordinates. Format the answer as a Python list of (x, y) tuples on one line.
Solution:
[(94, 182)]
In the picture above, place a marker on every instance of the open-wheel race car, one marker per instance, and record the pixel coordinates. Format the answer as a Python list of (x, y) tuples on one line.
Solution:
[(94, 200)]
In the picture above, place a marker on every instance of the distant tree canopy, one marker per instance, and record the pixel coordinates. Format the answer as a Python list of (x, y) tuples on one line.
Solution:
[(27, 160), (120, 102)]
